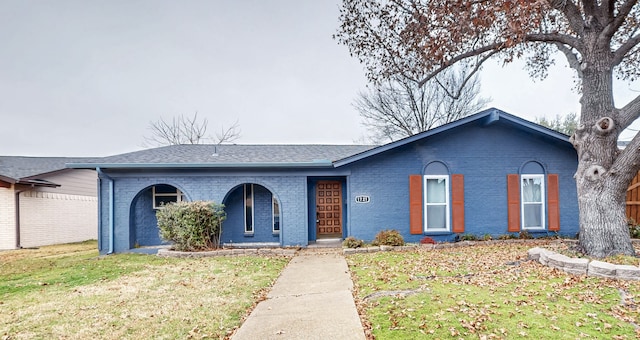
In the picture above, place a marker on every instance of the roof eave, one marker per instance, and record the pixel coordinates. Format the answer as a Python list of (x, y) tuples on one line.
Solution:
[(7, 179), (314, 164), (489, 116)]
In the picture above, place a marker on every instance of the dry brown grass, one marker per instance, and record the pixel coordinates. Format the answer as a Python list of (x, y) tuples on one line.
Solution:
[(157, 298)]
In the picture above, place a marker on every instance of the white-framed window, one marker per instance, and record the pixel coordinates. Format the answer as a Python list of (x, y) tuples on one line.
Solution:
[(248, 208), (436, 203), (164, 194), (276, 215), (532, 192)]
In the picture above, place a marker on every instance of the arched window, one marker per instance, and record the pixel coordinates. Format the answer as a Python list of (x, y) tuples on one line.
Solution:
[(436, 197)]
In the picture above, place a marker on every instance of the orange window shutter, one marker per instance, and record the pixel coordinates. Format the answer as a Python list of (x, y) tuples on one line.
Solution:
[(457, 203), (513, 201), (553, 202), (415, 204)]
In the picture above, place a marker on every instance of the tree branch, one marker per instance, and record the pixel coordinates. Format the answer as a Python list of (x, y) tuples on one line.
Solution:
[(574, 63), (622, 51), (466, 79), (588, 7), (556, 37), (493, 48), (607, 7), (629, 113), (571, 12), (230, 134), (613, 26), (627, 164)]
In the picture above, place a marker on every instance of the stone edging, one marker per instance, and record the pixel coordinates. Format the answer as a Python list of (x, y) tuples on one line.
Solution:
[(578, 266), (444, 245), (229, 252)]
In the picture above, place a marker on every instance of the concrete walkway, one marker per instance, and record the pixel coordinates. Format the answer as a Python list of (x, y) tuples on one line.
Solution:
[(310, 300)]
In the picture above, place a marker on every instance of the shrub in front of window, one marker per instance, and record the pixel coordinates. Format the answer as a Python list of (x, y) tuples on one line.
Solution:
[(524, 235), (191, 226), (388, 238), (352, 242), (427, 240)]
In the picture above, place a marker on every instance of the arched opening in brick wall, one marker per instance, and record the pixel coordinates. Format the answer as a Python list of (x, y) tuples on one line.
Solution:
[(143, 223), (253, 215)]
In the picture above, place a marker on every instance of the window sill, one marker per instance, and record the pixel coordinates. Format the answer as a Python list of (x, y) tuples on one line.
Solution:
[(535, 230), (437, 232), (275, 233), (248, 234)]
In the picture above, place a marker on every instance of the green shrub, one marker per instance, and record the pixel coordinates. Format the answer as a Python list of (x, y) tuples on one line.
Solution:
[(507, 237), (191, 226), (634, 230), (468, 237), (352, 242), (487, 237), (524, 235), (388, 238)]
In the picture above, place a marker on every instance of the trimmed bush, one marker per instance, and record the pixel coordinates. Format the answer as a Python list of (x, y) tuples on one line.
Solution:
[(524, 235), (634, 230), (191, 226), (352, 242), (468, 237), (427, 240), (388, 238), (507, 237)]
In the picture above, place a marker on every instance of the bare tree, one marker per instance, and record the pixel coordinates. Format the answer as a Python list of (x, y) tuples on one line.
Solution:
[(188, 130), (600, 40), (567, 124), (400, 108)]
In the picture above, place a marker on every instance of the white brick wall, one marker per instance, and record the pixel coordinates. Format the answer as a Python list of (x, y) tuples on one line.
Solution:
[(51, 218), (7, 219)]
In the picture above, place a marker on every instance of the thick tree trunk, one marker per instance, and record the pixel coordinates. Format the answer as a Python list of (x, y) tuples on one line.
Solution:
[(601, 193), (603, 227)]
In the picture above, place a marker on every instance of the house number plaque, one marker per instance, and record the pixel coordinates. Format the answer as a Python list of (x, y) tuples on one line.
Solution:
[(363, 199)]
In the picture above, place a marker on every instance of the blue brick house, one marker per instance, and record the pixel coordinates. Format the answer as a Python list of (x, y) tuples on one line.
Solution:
[(489, 173)]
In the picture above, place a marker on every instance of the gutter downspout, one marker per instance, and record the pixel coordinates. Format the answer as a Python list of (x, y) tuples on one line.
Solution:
[(17, 206), (111, 212)]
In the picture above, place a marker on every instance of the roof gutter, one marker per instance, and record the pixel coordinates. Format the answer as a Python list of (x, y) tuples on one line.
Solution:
[(111, 211), (313, 164)]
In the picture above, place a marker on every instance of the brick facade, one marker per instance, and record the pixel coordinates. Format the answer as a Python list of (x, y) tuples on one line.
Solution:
[(50, 218), (484, 149)]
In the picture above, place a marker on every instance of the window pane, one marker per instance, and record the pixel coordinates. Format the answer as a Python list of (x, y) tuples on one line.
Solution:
[(436, 190), (436, 217), (162, 200), (532, 190), (248, 208), (276, 215), (166, 189), (533, 215)]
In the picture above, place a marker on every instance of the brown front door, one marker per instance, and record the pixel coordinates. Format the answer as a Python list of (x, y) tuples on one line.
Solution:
[(329, 207)]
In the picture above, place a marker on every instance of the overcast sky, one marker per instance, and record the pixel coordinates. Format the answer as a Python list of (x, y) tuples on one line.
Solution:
[(85, 78)]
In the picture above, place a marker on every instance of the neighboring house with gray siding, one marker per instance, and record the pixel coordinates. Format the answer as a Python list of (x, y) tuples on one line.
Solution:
[(44, 203)]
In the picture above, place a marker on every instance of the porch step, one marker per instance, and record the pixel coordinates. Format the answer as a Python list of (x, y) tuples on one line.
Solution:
[(332, 245)]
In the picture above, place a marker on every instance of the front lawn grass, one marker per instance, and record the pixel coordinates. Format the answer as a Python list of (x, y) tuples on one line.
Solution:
[(70, 292), (488, 292)]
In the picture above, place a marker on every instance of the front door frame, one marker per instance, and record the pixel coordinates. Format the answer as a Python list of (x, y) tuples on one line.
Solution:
[(312, 210)]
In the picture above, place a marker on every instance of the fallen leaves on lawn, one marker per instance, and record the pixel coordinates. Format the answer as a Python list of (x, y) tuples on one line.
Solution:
[(532, 289)]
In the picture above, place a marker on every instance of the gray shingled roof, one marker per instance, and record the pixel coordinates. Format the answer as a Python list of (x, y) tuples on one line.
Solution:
[(15, 168), (230, 154)]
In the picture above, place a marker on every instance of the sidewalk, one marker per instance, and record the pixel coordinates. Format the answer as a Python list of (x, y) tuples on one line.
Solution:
[(310, 300)]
